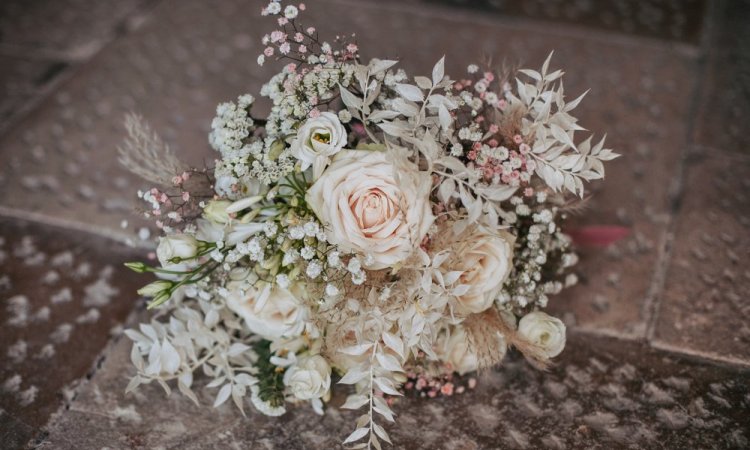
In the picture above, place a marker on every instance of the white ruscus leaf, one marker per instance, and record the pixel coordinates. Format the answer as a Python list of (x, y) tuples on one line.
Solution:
[(438, 71), (349, 99), (223, 395), (410, 92), (356, 435)]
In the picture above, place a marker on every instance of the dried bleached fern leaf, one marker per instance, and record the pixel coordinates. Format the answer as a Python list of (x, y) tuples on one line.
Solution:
[(483, 329), (145, 154)]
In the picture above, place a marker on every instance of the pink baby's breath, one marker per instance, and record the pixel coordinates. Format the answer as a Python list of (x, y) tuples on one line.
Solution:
[(278, 36)]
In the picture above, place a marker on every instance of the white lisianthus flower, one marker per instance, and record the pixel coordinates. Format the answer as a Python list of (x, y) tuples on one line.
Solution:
[(373, 206), (318, 139), (183, 246), (309, 378), (216, 211), (271, 312), (544, 331), (486, 259)]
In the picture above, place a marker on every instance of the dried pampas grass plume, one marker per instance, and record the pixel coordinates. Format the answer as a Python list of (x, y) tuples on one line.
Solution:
[(145, 154), (482, 330)]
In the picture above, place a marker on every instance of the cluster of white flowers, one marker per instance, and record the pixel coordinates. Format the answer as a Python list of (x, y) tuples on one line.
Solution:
[(372, 226)]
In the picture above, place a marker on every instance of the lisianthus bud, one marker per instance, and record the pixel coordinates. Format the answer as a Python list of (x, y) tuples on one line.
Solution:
[(216, 211), (137, 267), (244, 203), (155, 288)]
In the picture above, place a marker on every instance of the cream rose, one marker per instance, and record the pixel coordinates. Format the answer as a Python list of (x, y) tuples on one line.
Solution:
[(309, 378), (486, 260), (171, 246), (318, 139), (372, 207), (457, 352), (544, 331), (269, 314)]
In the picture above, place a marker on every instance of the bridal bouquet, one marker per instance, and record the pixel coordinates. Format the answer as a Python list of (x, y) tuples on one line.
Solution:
[(374, 230)]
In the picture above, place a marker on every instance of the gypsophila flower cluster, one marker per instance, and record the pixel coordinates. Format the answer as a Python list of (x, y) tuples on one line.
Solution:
[(394, 233)]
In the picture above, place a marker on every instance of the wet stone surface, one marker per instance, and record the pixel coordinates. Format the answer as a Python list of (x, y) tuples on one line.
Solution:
[(605, 394), (187, 58), (62, 295)]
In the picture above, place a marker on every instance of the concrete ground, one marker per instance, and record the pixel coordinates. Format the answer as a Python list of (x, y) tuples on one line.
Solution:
[(659, 347)]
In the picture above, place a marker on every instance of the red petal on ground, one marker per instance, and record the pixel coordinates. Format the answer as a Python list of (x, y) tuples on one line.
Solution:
[(597, 235)]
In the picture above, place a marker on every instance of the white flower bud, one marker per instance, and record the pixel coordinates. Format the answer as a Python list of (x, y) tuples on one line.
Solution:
[(544, 331)]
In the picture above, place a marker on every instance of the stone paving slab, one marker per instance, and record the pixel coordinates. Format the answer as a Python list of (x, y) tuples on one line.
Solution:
[(62, 295), (680, 20), (602, 394), (21, 80), (725, 106), (191, 55), (71, 29), (705, 304)]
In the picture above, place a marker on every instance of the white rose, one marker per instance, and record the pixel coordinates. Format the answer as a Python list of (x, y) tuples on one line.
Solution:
[(309, 378), (544, 331), (271, 313), (486, 260), (318, 139), (373, 207), (183, 246)]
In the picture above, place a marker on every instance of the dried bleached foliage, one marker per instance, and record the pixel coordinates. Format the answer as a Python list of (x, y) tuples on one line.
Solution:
[(145, 154)]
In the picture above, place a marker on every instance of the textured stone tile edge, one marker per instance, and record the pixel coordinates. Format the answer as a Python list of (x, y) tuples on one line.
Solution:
[(701, 357), (660, 345)]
